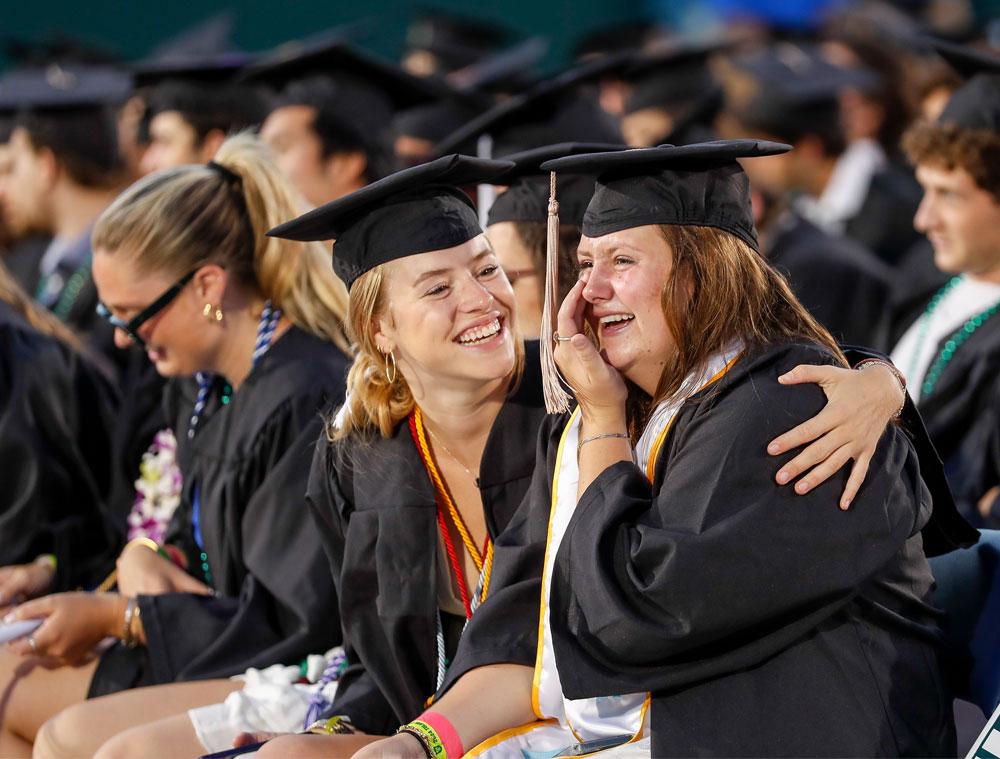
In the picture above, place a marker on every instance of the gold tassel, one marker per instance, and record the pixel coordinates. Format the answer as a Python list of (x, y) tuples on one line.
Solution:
[(557, 401)]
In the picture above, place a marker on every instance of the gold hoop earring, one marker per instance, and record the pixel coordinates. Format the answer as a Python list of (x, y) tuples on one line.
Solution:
[(218, 314), (390, 377), (207, 311)]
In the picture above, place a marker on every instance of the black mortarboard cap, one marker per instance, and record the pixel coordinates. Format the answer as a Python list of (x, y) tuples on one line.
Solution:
[(329, 53), (966, 60), (435, 121), (455, 40), (551, 111), (509, 70), (527, 195), (699, 185), (202, 54), (57, 87), (975, 105), (786, 88), (675, 73), (416, 210)]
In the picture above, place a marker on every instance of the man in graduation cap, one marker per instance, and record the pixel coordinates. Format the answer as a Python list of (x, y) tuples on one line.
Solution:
[(841, 283), (65, 168), (950, 352), (791, 92), (188, 121), (330, 116)]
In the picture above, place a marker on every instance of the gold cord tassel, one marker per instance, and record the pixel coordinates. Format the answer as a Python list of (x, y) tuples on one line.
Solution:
[(557, 401)]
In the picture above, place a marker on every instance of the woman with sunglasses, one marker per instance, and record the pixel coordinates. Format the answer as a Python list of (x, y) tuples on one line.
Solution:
[(678, 592), (182, 264), (57, 416)]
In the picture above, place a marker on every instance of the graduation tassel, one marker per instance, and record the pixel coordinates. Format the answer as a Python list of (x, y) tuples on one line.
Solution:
[(557, 401)]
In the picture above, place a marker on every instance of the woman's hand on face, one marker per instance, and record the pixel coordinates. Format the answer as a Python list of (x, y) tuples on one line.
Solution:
[(74, 624), (860, 404), (20, 582), (599, 387), (142, 571), (399, 746)]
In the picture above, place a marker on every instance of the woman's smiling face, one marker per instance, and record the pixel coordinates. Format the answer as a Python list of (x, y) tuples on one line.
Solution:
[(448, 316), (626, 272)]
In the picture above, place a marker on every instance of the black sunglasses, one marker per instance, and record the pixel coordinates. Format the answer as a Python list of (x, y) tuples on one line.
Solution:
[(131, 327)]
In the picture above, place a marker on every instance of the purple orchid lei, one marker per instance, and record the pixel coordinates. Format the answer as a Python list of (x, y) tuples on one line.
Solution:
[(158, 489)]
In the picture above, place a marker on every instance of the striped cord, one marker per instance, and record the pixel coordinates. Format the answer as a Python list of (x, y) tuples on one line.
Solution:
[(265, 332), (317, 701)]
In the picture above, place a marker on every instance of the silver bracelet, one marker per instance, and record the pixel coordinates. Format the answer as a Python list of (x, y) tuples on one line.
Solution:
[(898, 375), (604, 436)]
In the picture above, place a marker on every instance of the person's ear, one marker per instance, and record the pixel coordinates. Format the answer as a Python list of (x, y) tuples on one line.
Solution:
[(210, 145), (210, 284)]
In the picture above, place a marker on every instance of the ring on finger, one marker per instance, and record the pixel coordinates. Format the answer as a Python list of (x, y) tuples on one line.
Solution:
[(34, 644), (559, 339)]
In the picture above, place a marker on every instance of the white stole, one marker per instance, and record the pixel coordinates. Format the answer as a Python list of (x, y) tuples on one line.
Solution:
[(603, 716)]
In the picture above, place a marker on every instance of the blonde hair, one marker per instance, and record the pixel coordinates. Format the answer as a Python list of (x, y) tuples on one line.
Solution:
[(40, 319), (374, 404), (178, 219)]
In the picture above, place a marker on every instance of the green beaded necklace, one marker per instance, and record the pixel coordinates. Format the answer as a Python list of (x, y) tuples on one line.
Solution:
[(952, 344)]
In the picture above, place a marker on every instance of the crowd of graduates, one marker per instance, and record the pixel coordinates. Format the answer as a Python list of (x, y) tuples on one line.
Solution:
[(624, 416)]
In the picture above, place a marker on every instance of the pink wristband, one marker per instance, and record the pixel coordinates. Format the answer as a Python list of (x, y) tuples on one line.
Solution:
[(446, 732)]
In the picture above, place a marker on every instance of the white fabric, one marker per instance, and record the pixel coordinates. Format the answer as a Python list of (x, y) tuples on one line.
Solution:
[(846, 188), (968, 298), (270, 701)]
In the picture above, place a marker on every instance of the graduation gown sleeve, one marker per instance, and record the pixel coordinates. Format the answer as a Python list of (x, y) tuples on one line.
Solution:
[(56, 419), (714, 568), (358, 695), (284, 606)]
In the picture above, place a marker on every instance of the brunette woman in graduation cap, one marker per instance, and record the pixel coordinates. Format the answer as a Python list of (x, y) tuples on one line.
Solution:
[(183, 267), (429, 458), (677, 591)]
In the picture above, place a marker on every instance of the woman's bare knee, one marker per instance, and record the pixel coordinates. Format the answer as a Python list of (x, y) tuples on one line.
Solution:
[(59, 737)]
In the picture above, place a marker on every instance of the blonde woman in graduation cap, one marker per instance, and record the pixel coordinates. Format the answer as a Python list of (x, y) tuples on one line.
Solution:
[(681, 596)]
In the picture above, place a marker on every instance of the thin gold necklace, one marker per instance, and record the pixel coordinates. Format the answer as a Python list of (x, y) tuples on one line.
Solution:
[(451, 455)]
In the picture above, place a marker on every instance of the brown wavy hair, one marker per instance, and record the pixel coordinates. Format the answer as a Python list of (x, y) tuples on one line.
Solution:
[(950, 146), (720, 290)]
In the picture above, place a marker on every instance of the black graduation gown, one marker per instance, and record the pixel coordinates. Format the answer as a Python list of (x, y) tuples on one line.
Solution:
[(884, 223), (275, 600), (375, 507), (22, 259), (764, 623), (962, 412), (57, 414), (841, 284), (519, 551)]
